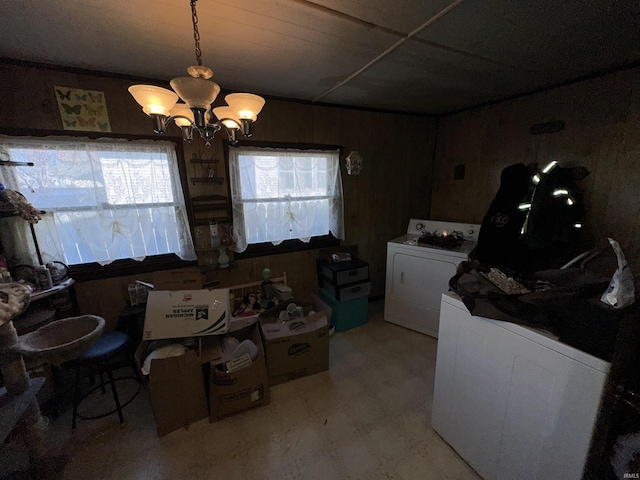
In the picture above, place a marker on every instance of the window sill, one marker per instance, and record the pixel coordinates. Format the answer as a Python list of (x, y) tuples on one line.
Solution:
[(121, 268), (288, 246)]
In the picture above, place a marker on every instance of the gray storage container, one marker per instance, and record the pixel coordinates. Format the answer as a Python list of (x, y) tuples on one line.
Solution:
[(343, 293), (344, 273)]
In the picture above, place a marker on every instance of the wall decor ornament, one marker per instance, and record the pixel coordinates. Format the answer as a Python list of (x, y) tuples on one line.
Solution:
[(354, 163), (84, 110)]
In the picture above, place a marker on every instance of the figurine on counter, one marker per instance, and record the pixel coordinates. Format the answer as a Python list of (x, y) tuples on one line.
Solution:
[(267, 289)]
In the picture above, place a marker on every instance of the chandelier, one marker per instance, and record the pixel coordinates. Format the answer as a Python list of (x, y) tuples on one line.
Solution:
[(197, 93)]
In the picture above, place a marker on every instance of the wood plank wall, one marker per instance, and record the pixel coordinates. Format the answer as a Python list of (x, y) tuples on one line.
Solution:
[(602, 133), (393, 186)]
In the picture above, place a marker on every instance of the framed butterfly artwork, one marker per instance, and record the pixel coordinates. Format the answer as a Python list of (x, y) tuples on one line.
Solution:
[(82, 109)]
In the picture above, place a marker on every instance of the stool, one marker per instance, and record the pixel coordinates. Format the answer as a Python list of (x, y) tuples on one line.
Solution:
[(99, 359)]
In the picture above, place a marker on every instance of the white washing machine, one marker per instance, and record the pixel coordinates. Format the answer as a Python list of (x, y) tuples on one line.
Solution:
[(513, 401), (418, 273)]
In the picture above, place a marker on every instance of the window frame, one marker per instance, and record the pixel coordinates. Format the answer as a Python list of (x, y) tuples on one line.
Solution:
[(287, 246), (123, 267)]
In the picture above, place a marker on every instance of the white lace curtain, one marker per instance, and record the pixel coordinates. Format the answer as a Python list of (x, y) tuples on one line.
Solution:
[(105, 200), (282, 194)]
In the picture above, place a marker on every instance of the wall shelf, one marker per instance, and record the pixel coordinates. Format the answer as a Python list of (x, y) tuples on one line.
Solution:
[(207, 170), (206, 208), (217, 180), (204, 160)]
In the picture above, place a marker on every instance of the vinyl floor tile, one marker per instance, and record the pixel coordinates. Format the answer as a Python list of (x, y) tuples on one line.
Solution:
[(367, 418)]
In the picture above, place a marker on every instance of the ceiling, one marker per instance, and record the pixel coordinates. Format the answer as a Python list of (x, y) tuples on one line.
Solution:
[(422, 56)]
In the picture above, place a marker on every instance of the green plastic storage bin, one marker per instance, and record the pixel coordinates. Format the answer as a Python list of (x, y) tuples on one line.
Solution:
[(347, 314)]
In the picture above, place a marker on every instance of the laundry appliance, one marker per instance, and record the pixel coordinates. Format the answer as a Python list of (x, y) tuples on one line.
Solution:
[(419, 266)]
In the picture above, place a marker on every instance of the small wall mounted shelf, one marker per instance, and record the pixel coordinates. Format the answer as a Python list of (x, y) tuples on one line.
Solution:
[(208, 171), (206, 208), (217, 180)]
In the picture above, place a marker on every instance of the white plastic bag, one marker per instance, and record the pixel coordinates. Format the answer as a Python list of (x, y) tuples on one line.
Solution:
[(621, 291)]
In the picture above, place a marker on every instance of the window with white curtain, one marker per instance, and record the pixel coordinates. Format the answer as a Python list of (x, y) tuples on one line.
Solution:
[(104, 200), (283, 194)]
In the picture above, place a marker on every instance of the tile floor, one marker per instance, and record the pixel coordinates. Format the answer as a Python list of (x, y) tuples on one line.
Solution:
[(368, 417)]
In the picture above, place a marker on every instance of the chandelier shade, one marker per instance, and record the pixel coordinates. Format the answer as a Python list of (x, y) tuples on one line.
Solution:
[(227, 116), (182, 110), (154, 100), (247, 105), (198, 93)]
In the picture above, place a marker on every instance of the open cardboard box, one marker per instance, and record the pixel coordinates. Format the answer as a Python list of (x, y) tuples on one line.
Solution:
[(186, 313), (298, 347), (176, 385), (240, 390), (176, 389)]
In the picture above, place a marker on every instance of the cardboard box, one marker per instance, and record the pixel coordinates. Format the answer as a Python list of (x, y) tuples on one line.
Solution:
[(298, 347), (178, 307), (183, 279), (235, 392), (214, 350), (186, 313), (176, 390)]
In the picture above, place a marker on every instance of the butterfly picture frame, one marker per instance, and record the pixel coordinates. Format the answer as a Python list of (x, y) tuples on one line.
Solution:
[(84, 110)]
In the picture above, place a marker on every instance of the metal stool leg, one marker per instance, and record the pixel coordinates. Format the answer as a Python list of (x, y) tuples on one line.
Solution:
[(115, 393), (134, 366), (99, 361), (102, 382), (76, 397)]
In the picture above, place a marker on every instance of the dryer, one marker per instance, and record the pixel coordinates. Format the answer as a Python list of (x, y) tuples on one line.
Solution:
[(418, 272)]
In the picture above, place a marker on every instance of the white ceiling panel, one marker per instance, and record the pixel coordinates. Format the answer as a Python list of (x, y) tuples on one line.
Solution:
[(408, 55), (553, 38), (399, 15), (418, 75)]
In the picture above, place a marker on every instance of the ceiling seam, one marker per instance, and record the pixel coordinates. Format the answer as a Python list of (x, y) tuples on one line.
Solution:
[(369, 64), (396, 33)]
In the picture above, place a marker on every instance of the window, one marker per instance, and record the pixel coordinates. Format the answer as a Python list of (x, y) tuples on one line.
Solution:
[(283, 194), (104, 200)]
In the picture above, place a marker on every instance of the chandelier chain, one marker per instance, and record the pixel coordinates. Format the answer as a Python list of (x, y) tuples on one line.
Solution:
[(198, 93), (196, 33)]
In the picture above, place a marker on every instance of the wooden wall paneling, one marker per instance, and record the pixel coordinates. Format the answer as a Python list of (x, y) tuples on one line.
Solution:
[(447, 201), (420, 146), (327, 127), (284, 122), (299, 266), (106, 297), (514, 144), (483, 170), (395, 178), (34, 86), (413, 160), (595, 114), (403, 150), (357, 188), (602, 118), (367, 194), (29, 100), (623, 209)]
